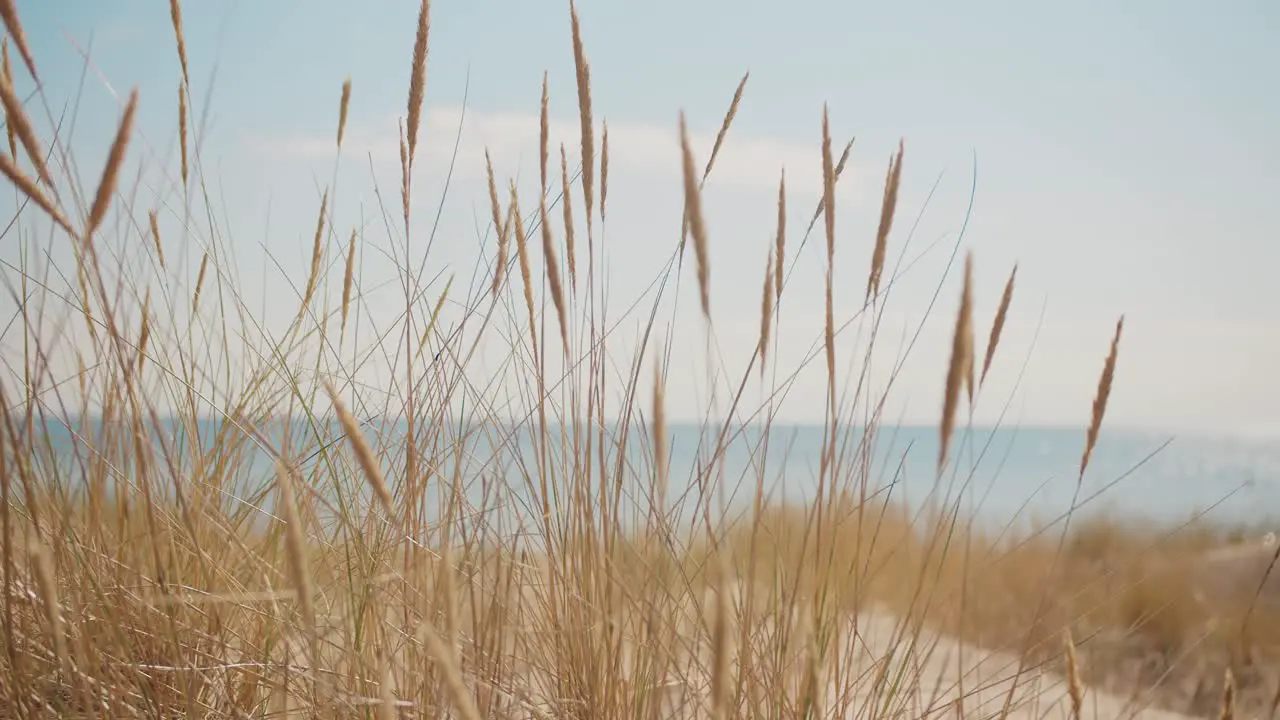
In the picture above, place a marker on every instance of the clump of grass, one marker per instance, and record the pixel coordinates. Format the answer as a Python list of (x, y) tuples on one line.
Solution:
[(428, 548)]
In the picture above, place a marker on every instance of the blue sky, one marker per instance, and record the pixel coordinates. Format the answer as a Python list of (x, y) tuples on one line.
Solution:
[(1126, 154)]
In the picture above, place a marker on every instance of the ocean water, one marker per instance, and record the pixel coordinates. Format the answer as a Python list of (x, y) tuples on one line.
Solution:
[(998, 476)]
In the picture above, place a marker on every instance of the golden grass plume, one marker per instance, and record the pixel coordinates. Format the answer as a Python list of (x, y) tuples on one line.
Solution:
[(343, 105), (544, 132), (360, 446), (892, 180), (526, 276), (28, 187), (552, 267), (693, 211), (582, 73), (1075, 688), (204, 267), (182, 132), (766, 312), (828, 188), (780, 240), (604, 167), (418, 77), (725, 123), (317, 252), (8, 77), (111, 173), (997, 325), (348, 278), (961, 357), (1100, 399), (499, 227), (21, 125), (9, 13), (566, 200), (175, 17)]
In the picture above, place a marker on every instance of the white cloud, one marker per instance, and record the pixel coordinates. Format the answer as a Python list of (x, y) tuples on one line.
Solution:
[(512, 141)]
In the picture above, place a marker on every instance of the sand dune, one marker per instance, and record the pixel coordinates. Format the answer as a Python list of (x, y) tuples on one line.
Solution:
[(981, 679)]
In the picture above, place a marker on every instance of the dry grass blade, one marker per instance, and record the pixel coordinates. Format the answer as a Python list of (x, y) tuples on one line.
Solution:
[(447, 659), (110, 174), (659, 440), (144, 334), (1227, 711), (780, 242), (582, 72), (604, 167), (296, 550), (9, 13), (317, 252), (553, 272), (890, 203), (544, 132), (47, 583), (822, 203), (969, 364), (566, 201), (360, 446), (29, 188), (348, 278), (844, 158), (498, 227), (548, 247), (829, 213), (8, 76), (1100, 399), (526, 276), (418, 80), (720, 660), (961, 355), (175, 16), (404, 177), (693, 211), (182, 131), (766, 312), (829, 338), (342, 109), (724, 125), (204, 267), (21, 125), (828, 188), (155, 237), (997, 326), (1075, 688), (387, 699)]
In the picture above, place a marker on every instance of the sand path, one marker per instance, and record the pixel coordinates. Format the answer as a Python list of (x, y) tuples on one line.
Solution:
[(948, 670)]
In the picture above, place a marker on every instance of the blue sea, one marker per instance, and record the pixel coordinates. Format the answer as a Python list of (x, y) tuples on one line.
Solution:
[(999, 476)]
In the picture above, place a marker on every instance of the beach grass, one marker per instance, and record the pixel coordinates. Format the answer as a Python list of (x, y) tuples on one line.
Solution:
[(153, 570)]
